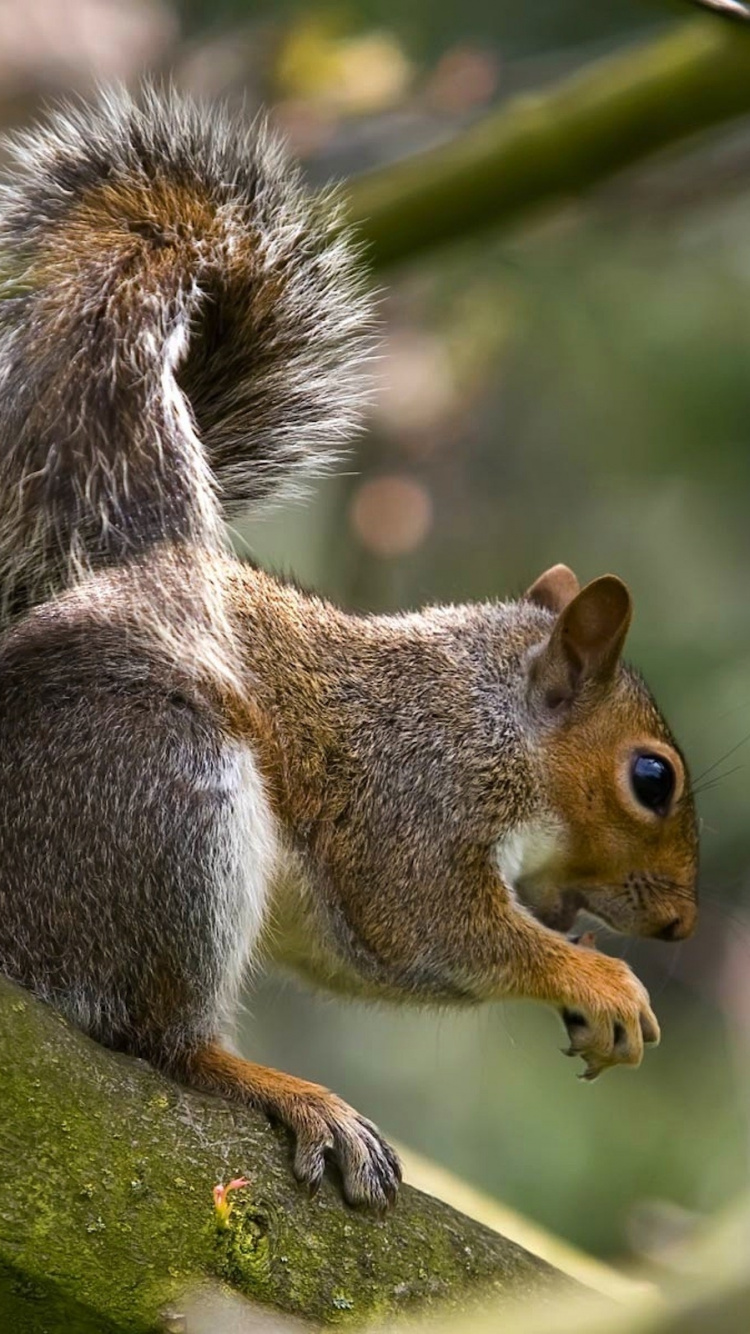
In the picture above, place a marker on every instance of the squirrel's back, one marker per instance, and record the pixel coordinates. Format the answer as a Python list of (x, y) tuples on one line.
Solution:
[(181, 329)]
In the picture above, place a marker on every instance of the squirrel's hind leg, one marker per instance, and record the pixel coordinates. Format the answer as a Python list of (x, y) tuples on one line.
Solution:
[(323, 1125)]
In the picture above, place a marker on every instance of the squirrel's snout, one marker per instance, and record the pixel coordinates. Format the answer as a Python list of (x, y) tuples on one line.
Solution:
[(679, 927)]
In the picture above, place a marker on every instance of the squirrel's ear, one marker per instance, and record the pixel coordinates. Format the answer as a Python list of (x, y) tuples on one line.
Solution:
[(554, 589), (586, 642)]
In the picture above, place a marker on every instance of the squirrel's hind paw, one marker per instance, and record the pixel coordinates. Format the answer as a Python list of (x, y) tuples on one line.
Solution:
[(326, 1128)]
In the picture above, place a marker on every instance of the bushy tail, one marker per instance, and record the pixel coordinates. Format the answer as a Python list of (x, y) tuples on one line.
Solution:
[(182, 329)]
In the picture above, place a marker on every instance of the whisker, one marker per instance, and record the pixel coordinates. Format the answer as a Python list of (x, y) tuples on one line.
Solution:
[(708, 783), (729, 713), (714, 903), (742, 924), (660, 885), (738, 881), (669, 972), (742, 742)]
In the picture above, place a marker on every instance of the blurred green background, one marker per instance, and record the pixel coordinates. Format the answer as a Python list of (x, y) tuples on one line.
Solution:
[(576, 390)]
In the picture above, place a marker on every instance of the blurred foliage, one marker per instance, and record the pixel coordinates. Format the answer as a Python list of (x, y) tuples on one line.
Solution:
[(428, 27)]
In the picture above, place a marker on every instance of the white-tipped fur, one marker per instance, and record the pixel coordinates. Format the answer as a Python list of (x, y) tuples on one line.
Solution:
[(182, 332)]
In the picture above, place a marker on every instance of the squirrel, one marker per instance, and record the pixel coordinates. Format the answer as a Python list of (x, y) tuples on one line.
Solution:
[(203, 767)]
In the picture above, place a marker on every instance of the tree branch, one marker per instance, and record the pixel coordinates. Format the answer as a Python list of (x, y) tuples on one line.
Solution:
[(541, 148), (107, 1216)]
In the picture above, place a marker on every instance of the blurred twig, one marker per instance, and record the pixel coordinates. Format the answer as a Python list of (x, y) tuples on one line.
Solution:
[(548, 146), (731, 9)]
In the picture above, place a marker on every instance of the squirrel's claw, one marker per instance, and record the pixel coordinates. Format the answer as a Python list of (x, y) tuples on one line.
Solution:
[(613, 1023), (309, 1164), (325, 1129)]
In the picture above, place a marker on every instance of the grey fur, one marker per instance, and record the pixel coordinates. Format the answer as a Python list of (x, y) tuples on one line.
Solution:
[(111, 813)]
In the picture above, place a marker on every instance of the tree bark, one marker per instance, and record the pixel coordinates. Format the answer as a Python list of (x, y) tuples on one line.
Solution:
[(545, 147), (107, 1219)]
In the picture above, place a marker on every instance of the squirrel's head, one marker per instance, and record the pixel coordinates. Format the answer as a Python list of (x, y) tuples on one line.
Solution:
[(622, 838)]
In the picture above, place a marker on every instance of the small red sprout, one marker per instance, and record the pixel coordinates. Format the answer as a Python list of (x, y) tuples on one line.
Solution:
[(223, 1206)]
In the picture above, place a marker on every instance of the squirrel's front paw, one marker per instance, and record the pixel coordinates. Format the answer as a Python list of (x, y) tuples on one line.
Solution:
[(325, 1127), (609, 1020)]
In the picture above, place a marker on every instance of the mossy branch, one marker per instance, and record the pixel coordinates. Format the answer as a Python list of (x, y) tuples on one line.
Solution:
[(548, 146), (107, 1217)]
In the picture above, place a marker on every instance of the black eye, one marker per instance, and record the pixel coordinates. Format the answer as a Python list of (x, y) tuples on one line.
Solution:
[(653, 782)]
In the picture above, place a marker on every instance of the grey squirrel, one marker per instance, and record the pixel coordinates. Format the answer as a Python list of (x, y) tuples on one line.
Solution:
[(202, 766)]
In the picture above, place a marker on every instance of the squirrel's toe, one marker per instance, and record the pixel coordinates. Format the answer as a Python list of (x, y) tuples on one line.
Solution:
[(327, 1130), (370, 1170)]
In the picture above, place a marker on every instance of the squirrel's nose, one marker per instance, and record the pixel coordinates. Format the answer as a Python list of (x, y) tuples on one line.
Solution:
[(679, 927)]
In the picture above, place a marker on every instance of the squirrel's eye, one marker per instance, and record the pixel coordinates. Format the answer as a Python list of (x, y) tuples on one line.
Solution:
[(653, 781)]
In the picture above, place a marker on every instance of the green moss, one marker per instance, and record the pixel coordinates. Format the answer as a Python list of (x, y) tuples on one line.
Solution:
[(107, 1210), (242, 1252)]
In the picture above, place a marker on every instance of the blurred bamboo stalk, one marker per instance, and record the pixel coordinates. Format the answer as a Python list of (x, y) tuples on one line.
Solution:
[(544, 147)]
